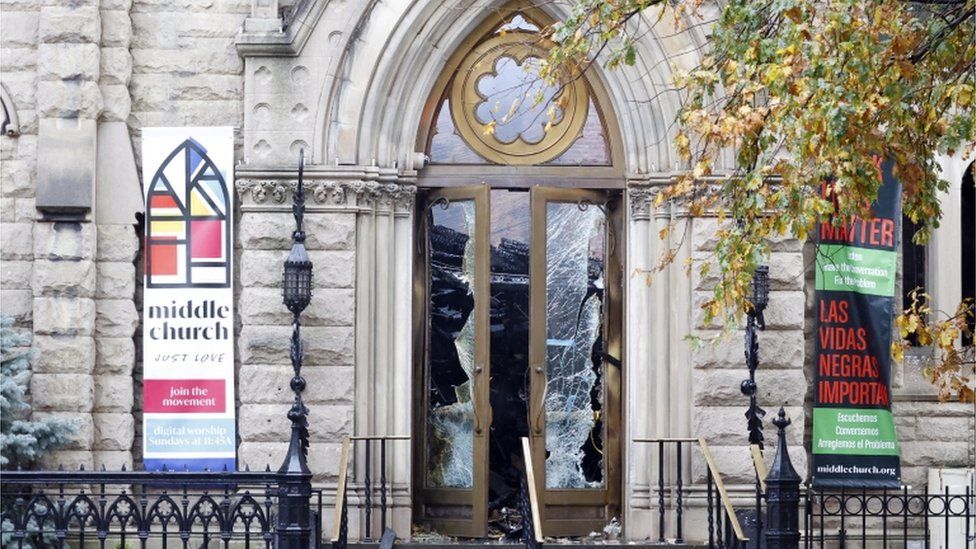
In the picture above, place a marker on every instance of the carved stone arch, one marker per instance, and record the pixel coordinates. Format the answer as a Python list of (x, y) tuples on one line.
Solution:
[(391, 62)]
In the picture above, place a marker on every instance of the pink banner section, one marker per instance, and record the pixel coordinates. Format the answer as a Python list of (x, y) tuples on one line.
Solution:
[(201, 396)]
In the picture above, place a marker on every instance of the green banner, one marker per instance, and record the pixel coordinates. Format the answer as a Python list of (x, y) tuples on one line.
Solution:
[(852, 269), (854, 431)]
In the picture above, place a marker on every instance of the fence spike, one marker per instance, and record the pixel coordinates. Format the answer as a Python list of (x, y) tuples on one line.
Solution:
[(60, 467), (225, 467), (103, 467), (123, 467), (81, 466), (267, 468), (247, 468), (186, 468), (165, 468)]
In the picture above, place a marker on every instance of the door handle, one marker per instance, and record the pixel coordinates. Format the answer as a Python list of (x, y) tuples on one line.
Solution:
[(475, 391), (540, 373)]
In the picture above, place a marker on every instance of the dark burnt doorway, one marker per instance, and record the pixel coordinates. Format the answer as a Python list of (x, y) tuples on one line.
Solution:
[(474, 412)]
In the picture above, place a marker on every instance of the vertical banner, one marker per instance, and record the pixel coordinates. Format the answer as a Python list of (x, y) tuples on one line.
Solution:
[(188, 304), (854, 441)]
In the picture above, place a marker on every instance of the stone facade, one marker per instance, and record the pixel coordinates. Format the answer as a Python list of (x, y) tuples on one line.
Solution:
[(348, 83)]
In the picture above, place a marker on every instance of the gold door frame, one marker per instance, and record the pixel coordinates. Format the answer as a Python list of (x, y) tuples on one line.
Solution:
[(563, 510), (475, 498)]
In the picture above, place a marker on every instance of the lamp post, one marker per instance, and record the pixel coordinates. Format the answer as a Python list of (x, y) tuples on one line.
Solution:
[(758, 299), (295, 488)]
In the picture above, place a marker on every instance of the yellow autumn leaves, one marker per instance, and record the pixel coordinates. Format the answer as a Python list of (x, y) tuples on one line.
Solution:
[(947, 364)]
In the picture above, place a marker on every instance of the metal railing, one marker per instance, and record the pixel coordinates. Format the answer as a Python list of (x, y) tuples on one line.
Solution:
[(63, 508), (856, 518), (529, 501), (340, 528), (724, 530)]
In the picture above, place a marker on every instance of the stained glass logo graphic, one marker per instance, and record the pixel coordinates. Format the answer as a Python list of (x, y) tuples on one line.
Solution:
[(188, 227)]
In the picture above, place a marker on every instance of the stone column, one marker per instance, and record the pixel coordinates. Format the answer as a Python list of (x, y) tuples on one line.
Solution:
[(117, 199), (115, 324), (640, 376)]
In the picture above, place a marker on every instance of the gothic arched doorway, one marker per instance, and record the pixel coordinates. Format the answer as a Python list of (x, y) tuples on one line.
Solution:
[(518, 291)]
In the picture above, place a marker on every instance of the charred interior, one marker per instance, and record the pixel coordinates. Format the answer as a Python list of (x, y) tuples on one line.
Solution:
[(574, 396)]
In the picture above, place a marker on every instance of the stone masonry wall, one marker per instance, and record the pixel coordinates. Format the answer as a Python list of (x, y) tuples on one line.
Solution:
[(185, 67), (18, 67), (718, 404), (71, 283), (327, 329)]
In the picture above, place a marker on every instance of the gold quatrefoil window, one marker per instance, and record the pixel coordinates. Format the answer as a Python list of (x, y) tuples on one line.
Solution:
[(503, 109)]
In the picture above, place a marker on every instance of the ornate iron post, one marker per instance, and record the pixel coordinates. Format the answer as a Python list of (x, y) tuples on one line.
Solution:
[(782, 495), (755, 321), (295, 484)]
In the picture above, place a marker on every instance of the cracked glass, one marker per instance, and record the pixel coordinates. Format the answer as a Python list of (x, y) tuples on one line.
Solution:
[(574, 397), (450, 368)]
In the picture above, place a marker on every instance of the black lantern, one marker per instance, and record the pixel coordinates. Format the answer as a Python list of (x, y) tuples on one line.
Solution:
[(297, 284), (759, 297)]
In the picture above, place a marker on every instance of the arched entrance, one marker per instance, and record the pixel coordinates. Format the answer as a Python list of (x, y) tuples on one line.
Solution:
[(518, 291)]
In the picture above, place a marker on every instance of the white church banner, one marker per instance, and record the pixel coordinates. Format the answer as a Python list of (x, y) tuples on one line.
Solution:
[(188, 308)]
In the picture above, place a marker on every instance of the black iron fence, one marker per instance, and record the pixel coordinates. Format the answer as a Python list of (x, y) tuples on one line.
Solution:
[(374, 492), (841, 518), (127, 509), (722, 524), (899, 518)]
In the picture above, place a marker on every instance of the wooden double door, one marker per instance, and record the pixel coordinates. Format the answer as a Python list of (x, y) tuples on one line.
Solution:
[(517, 325)]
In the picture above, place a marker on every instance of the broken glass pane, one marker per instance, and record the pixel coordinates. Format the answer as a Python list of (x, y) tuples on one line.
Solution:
[(518, 23), (450, 414), (574, 310)]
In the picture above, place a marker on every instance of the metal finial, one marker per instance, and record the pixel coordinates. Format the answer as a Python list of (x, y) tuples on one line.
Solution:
[(782, 421)]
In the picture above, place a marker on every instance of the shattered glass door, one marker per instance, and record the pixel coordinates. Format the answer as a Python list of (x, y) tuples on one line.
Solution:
[(575, 241), (456, 369), (516, 321), (574, 342)]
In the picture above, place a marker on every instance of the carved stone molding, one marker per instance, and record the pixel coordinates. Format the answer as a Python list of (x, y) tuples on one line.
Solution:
[(642, 201), (328, 194), (261, 191)]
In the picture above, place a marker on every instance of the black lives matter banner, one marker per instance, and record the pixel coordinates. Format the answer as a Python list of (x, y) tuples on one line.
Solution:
[(854, 442)]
